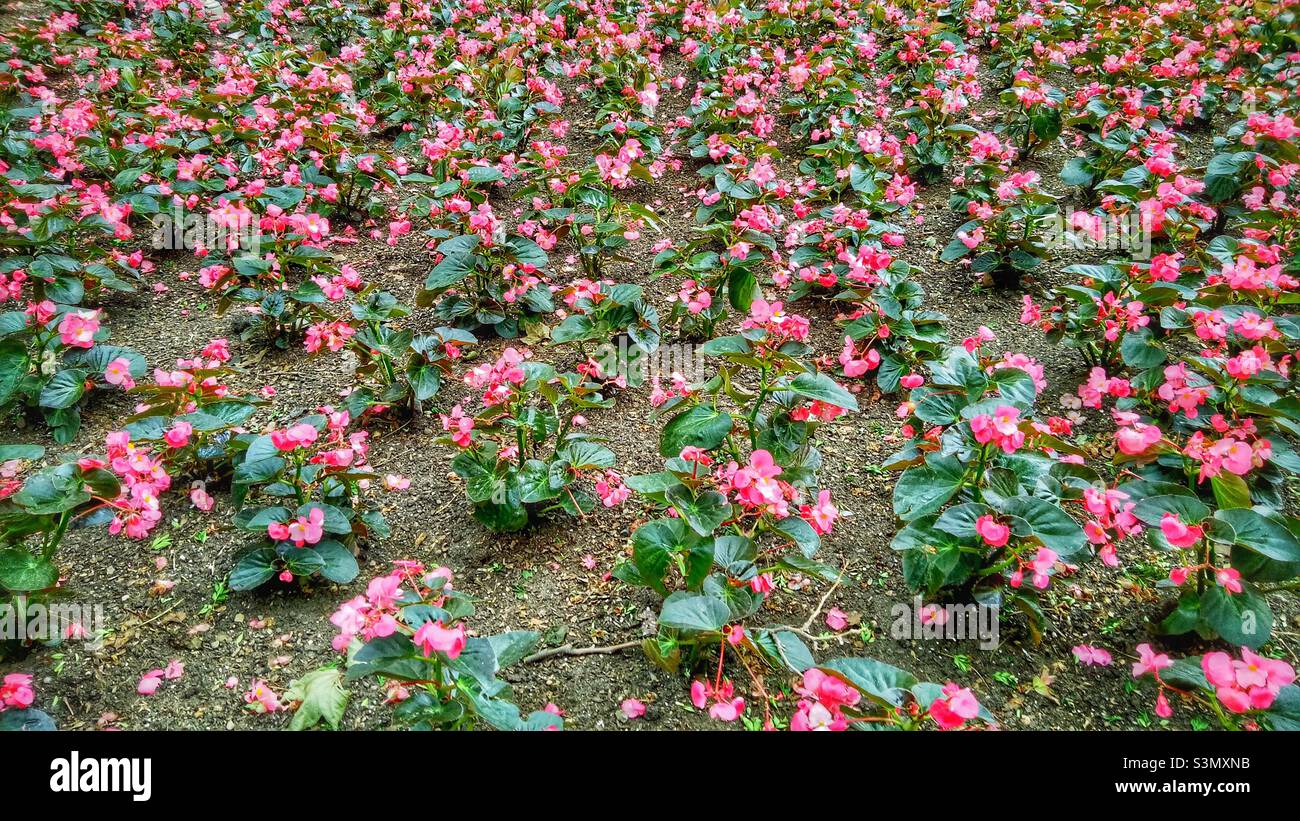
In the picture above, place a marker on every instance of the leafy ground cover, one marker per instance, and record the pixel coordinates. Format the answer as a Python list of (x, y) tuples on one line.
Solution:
[(650, 365)]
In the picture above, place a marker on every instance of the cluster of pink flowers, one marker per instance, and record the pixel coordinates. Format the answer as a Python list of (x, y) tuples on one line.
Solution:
[(1249, 683), (144, 479), (1100, 386), (780, 326), (956, 706), (499, 380), (1111, 521), (374, 615), (302, 531), (1039, 569), (721, 699), (822, 701), (1002, 428), (16, 692)]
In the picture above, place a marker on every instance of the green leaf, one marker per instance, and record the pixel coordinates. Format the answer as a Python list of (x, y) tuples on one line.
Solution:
[(514, 646), (702, 426), (703, 512), (821, 387), (741, 286), (694, 611), (13, 367), (1052, 525), (340, 565), (29, 453), (321, 697), (926, 488), (535, 482), (1241, 618), (1188, 508), (22, 571), (253, 569), (801, 533), (64, 390), (784, 648), (1230, 490), (53, 490), (1261, 535), (883, 682), (452, 269), (27, 720)]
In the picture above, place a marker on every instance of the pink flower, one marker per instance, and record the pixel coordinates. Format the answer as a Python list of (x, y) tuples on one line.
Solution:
[(1149, 661), (1163, 709), (175, 669), (756, 483), (200, 497), (297, 436), (302, 531), (77, 329), (1229, 578), (260, 698), (178, 435), (394, 482), (149, 683), (118, 372), (955, 707), (1137, 439), (432, 636), (727, 710), (632, 708), (994, 533), (1251, 683), (836, 619), (16, 691), (1089, 656), (821, 516), (1179, 534)]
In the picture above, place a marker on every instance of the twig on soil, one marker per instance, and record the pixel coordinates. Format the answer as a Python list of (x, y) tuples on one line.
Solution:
[(805, 628), (570, 650), (155, 618)]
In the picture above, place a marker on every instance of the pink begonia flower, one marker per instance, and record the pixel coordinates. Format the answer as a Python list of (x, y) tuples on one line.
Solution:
[(302, 531), (200, 497), (632, 708), (178, 435), (297, 436), (955, 707), (1088, 655), (1149, 661), (16, 691), (118, 372), (433, 636), (822, 515), (260, 698), (1251, 683), (991, 531), (149, 683), (836, 619), (395, 482), (1162, 705), (1179, 534), (1229, 578)]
